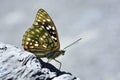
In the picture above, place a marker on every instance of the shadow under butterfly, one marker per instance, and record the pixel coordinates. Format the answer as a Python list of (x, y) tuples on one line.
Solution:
[(42, 38)]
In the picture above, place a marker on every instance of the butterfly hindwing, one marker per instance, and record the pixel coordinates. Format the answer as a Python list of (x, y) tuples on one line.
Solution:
[(42, 37)]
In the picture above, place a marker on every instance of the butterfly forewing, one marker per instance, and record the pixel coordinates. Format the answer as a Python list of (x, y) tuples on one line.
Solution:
[(42, 37)]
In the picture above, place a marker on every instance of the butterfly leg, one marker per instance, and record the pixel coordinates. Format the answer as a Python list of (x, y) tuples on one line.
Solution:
[(59, 63)]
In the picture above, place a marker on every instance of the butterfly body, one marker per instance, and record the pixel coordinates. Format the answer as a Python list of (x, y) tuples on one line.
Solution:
[(42, 38)]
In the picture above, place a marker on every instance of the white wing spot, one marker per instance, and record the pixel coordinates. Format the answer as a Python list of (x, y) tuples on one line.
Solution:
[(48, 20), (41, 39), (40, 15), (28, 39), (44, 46), (36, 44), (46, 34), (53, 28), (47, 28), (42, 26), (27, 42), (38, 20), (44, 20), (31, 43), (35, 23), (53, 32), (55, 38)]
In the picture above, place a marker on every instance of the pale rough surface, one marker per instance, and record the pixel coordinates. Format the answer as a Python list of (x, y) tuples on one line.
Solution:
[(16, 64)]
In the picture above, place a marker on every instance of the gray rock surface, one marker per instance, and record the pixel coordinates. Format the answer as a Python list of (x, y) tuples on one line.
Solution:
[(16, 64)]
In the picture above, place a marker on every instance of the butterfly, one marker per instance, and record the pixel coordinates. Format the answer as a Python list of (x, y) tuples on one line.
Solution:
[(42, 38)]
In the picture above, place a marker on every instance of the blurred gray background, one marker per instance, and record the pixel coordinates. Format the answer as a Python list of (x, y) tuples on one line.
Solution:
[(97, 22)]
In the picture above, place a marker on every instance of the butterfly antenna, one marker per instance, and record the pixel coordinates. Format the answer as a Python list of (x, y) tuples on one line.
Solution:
[(72, 43)]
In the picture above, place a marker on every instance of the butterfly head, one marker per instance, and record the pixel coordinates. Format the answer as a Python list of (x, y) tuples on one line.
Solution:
[(62, 52)]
